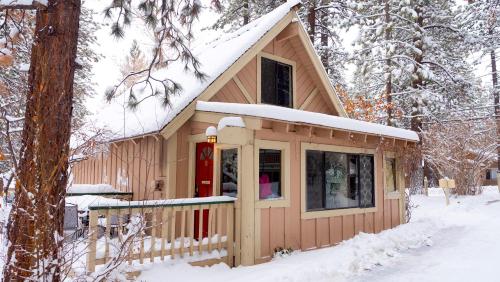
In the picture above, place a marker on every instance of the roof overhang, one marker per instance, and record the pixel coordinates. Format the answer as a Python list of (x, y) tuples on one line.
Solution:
[(255, 113)]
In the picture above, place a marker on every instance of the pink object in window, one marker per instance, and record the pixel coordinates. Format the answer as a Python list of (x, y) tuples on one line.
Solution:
[(265, 187)]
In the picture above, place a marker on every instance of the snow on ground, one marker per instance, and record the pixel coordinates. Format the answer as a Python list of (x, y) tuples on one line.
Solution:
[(441, 243)]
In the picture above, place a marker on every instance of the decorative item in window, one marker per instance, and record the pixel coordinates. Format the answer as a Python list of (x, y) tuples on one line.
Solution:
[(390, 175), (229, 172), (269, 174)]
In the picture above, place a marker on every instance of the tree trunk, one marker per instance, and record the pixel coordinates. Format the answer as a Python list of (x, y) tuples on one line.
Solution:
[(417, 81), (388, 65), (496, 98), (37, 215), (324, 35), (246, 12), (311, 20)]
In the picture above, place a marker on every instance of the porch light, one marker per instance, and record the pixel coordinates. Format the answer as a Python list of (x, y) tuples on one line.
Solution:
[(211, 134)]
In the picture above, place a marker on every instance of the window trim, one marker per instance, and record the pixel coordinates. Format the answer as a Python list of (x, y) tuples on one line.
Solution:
[(281, 60), (394, 195), (304, 147), (284, 147)]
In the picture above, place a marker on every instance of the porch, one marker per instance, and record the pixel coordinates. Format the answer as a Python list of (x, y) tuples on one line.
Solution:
[(140, 231)]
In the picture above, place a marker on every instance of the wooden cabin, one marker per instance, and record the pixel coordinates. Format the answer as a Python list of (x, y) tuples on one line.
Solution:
[(304, 175)]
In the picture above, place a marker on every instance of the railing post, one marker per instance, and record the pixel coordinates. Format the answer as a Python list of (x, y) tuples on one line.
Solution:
[(91, 255), (230, 230)]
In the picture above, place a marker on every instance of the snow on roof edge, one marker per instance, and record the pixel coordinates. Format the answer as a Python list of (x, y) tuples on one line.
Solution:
[(295, 115)]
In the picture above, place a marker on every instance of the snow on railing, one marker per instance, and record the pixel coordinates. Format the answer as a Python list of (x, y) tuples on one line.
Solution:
[(137, 230)]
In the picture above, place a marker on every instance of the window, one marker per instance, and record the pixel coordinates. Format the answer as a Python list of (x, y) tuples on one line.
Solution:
[(338, 180), (491, 174), (229, 172), (276, 83), (269, 174), (390, 175)]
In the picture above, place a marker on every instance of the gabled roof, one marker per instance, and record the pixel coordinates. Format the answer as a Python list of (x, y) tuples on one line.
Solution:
[(215, 58), (307, 118)]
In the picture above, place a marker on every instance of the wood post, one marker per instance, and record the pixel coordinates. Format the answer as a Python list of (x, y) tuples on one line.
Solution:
[(248, 195), (230, 230), (91, 255)]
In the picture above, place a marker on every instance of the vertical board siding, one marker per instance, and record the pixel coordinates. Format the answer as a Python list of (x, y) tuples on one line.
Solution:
[(128, 166)]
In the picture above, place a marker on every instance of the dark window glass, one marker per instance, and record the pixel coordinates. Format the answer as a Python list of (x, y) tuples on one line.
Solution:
[(315, 180), (269, 174), (337, 180), (229, 172), (276, 83)]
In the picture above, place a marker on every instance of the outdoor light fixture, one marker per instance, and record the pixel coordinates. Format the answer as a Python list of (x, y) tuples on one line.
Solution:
[(211, 134)]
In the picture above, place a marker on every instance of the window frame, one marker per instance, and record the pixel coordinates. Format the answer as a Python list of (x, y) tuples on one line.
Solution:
[(336, 149), (393, 195), (217, 167), (280, 60), (284, 147)]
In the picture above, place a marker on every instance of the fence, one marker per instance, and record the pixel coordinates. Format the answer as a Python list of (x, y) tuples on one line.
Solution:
[(161, 229)]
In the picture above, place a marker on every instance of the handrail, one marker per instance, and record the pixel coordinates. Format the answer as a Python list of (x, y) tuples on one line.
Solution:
[(164, 203)]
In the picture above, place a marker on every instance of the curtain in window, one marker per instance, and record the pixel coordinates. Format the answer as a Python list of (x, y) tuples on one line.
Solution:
[(366, 181)]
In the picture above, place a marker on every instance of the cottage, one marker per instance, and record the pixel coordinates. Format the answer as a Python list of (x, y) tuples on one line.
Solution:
[(267, 128)]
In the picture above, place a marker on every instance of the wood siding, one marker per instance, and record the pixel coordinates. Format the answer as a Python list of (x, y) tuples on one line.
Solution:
[(129, 166)]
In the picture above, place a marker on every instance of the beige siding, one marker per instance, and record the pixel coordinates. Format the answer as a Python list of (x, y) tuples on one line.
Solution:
[(129, 166)]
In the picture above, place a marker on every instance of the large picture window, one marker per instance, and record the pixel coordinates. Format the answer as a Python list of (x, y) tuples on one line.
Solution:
[(276, 83), (339, 180), (269, 174)]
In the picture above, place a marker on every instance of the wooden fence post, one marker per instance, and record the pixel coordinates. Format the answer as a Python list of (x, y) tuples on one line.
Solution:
[(230, 230), (91, 255)]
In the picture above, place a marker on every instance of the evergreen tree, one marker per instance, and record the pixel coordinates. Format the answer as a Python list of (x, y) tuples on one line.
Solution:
[(412, 53)]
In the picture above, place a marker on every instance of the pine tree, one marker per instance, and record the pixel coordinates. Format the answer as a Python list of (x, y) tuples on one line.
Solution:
[(411, 53)]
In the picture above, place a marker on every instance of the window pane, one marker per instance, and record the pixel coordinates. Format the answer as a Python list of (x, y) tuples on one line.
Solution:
[(315, 179), (269, 174), (336, 181), (366, 184), (283, 85), (229, 172), (268, 81), (390, 174), (276, 83)]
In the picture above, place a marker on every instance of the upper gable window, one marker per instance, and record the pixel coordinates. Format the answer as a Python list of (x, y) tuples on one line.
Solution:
[(276, 83)]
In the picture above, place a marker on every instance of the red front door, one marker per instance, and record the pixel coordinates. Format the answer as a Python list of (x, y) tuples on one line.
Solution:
[(203, 180)]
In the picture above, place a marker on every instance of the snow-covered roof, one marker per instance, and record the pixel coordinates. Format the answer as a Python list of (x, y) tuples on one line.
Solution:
[(305, 117), (215, 58)]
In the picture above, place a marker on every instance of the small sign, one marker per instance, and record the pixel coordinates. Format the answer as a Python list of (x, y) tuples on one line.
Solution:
[(205, 182), (446, 183)]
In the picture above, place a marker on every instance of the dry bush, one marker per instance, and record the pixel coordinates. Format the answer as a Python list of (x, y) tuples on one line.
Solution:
[(460, 150)]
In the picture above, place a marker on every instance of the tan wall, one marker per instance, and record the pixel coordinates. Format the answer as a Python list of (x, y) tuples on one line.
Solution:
[(129, 166), (283, 227)]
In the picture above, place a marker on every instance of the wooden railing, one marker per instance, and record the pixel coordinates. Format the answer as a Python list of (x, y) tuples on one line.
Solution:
[(153, 230)]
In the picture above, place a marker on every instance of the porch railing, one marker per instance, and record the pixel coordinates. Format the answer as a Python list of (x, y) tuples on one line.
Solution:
[(155, 230)]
